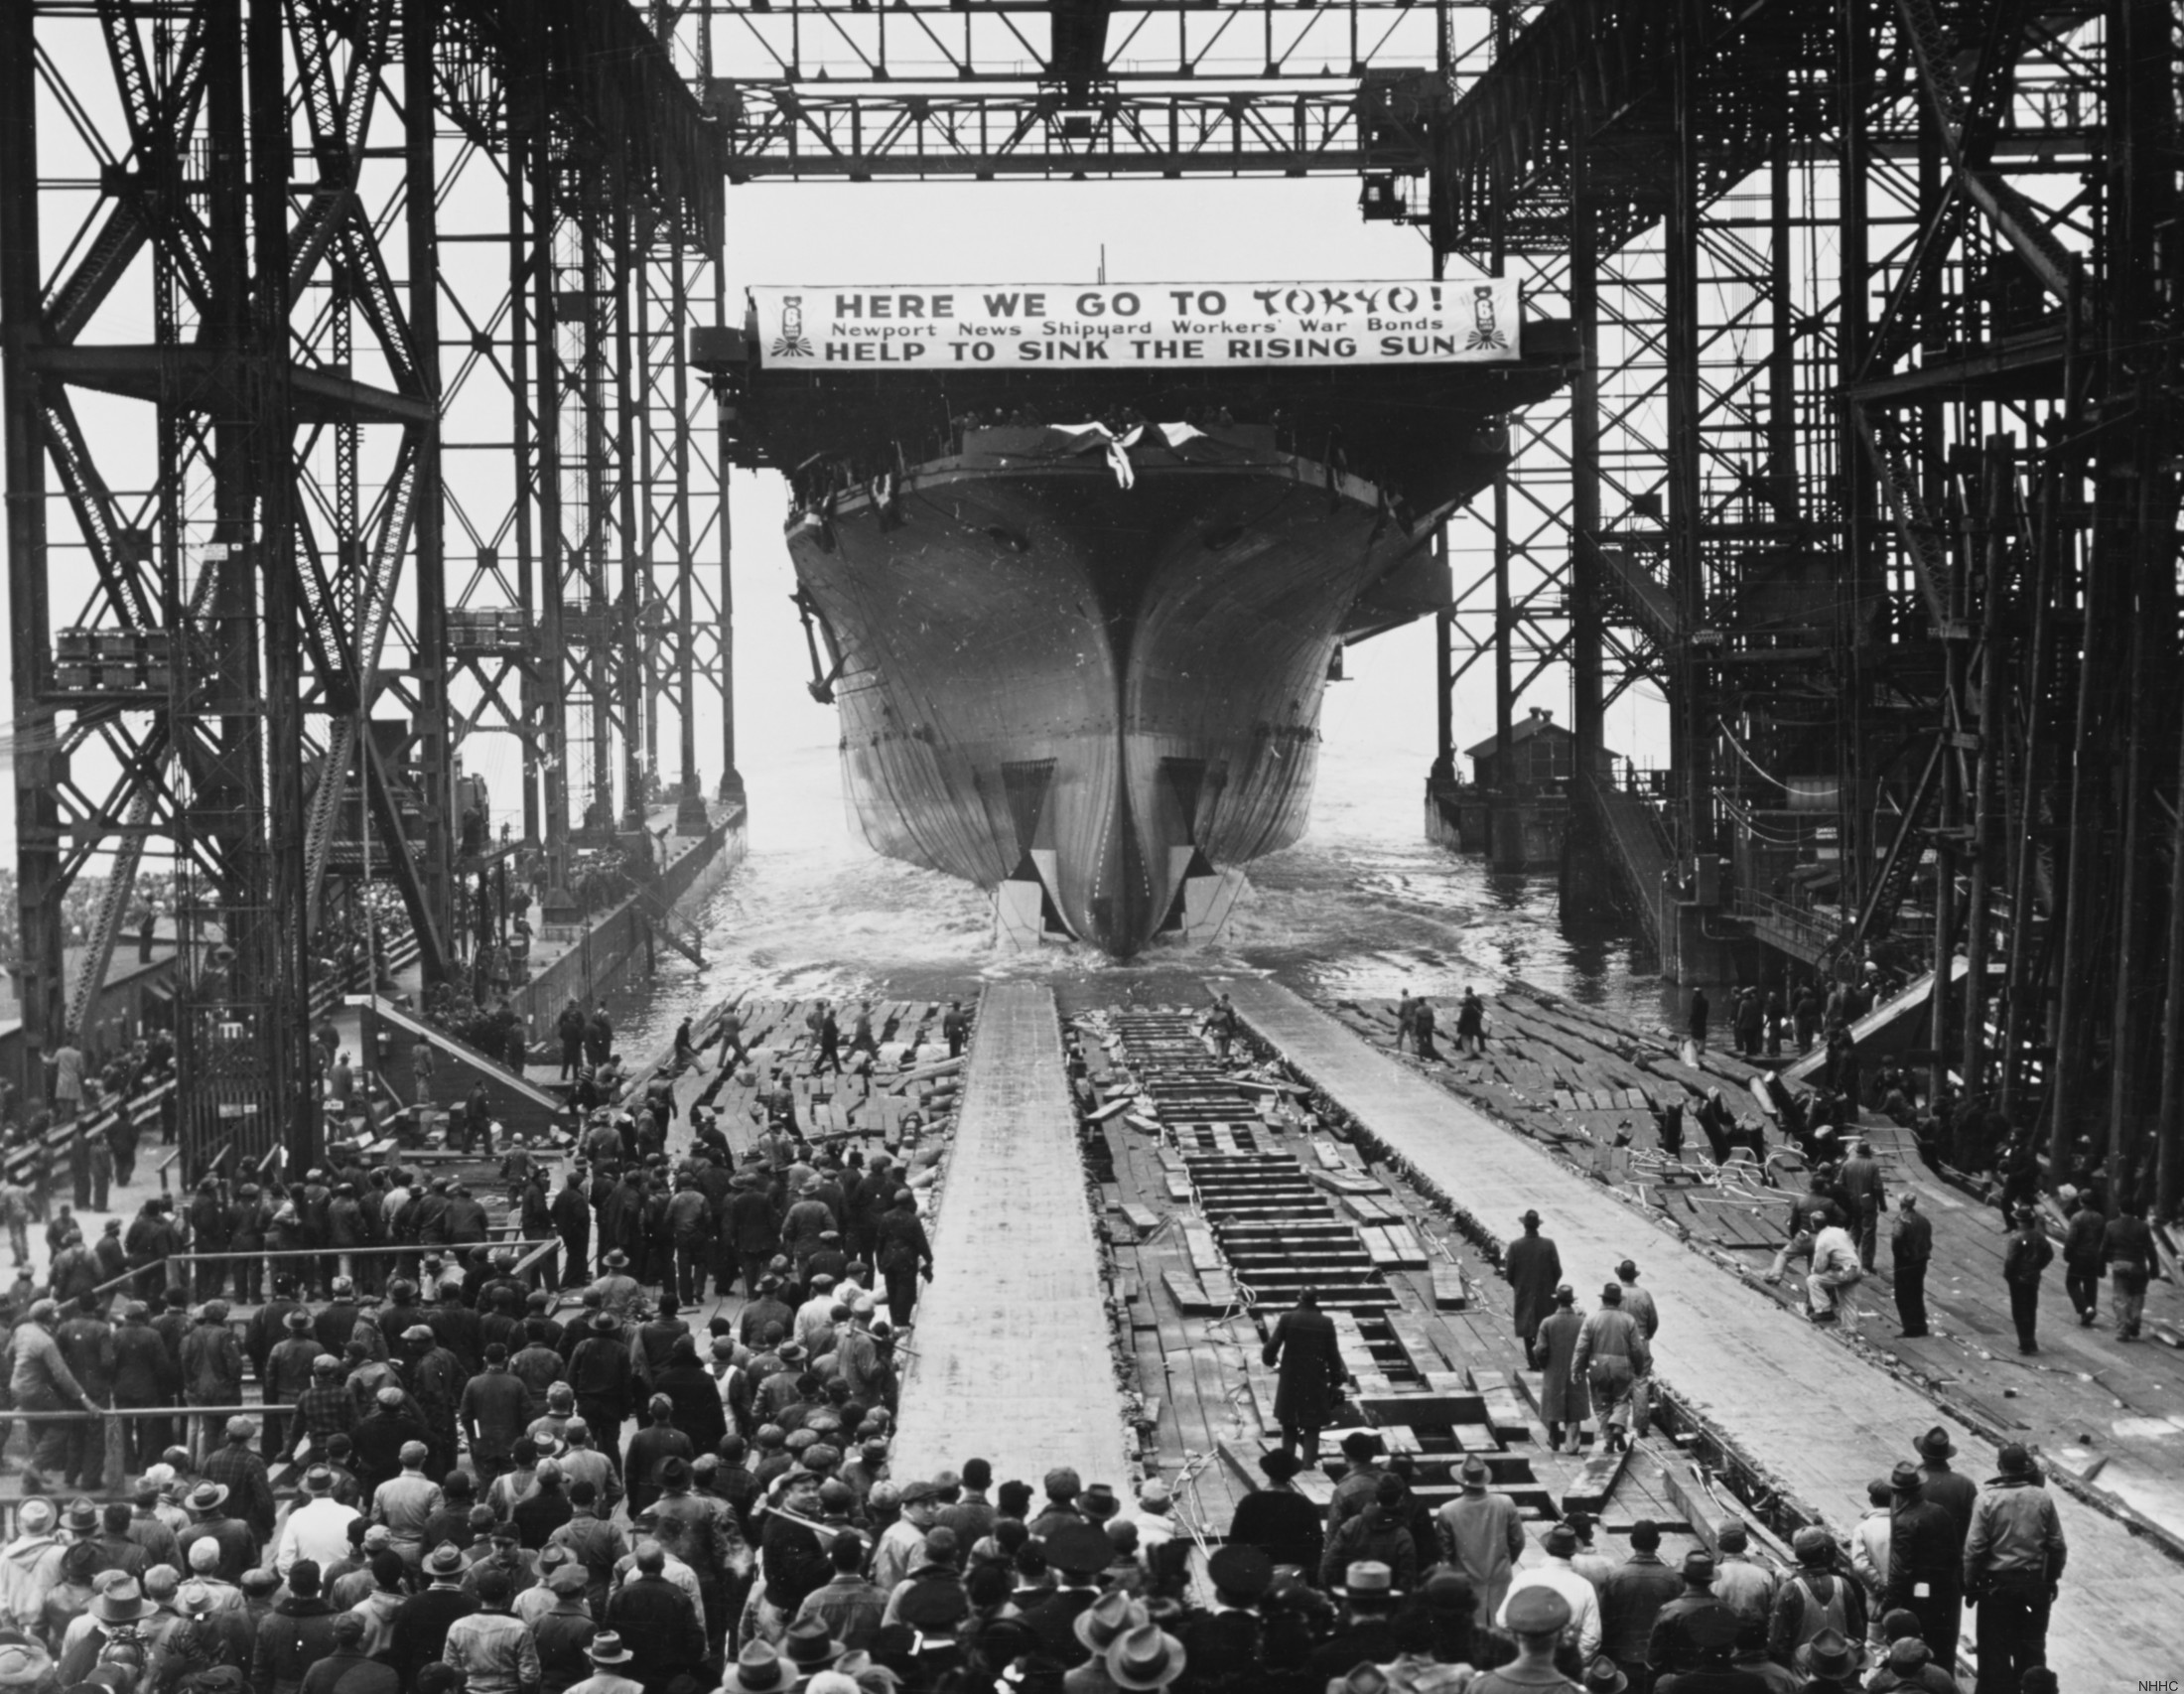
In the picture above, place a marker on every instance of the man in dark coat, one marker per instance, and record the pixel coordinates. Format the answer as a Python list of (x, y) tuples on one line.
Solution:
[(1535, 1270), (1277, 1520), (604, 1381), (696, 1396), (461, 1331), (86, 1344), (381, 1436), (494, 1409), (1925, 1564), (145, 1374), (903, 1254), (210, 1233), (572, 1218), (1565, 1401), (1912, 1244), (294, 1635), (1303, 1344), (657, 1621), (422, 1623)]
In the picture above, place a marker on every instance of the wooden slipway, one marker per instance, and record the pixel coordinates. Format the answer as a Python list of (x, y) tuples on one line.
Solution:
[(1816, 1418), (1220, 1205), (1010, 1340)]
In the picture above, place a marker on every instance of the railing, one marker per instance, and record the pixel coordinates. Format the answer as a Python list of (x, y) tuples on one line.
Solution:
[(49, 1153), (1794, 929), (328, 987), (530, 1249)]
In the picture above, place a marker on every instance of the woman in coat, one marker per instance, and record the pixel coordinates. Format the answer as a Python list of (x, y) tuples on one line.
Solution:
[(1563, 1399)]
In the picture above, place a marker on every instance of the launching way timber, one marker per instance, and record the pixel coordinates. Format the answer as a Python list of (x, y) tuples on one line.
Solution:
[(1080, 559)]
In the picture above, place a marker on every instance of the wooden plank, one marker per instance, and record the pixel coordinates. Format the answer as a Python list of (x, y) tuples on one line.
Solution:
[(1205, 1254), (1590, 1489), (1399, 1438), (1411, 1337), (1348, 1181), (1188, 1293), (1141, 1219), (1405, 1250), (1451, 1294), (1503, 1409)]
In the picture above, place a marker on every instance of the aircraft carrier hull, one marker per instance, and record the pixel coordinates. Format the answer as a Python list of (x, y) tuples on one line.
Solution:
[(1099, 699)]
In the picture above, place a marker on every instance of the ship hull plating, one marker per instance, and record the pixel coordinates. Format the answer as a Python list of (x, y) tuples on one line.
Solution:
[(1098, 700)]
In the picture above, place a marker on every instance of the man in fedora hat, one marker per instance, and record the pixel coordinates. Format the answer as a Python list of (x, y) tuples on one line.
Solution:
[(1535, 1270), (604, 1377), (1099, 1626), (236, 1541), (1482, 1533), (116, 1608), (1671, 1645), (1604, 1676), (1565, 1402), (1951, 1489), (2013, 1561), (617, 1288), (1277, 1520), (1077, 1553), (1559, 1574), (607, 1653), (1144, 1657), (1309, 1386), (1369, 1596), (1709, 1637), (1830, 1661), (1925, 1563), (421, 1626), (317, 1527), (758, 1669)]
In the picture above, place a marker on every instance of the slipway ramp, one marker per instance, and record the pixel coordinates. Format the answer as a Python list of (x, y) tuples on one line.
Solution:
[(1881, 1031), (492, 1070)]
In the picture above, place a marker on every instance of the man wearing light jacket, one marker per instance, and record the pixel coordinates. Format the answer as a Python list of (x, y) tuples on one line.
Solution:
[(2013, 1563)]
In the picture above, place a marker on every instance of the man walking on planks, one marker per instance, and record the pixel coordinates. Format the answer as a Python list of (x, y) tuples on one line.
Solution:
[(1613, 1357), (1303, 1345), (1535, 1270)]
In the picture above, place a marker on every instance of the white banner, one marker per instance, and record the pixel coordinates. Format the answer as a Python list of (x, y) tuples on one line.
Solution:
[(1068, 326)]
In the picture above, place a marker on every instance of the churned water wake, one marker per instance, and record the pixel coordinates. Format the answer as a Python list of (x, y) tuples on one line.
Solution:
[(1364, 905)]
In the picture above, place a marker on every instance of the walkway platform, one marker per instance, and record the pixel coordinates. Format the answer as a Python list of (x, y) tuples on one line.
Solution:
[(1014, 1361), (1814, 1417)]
